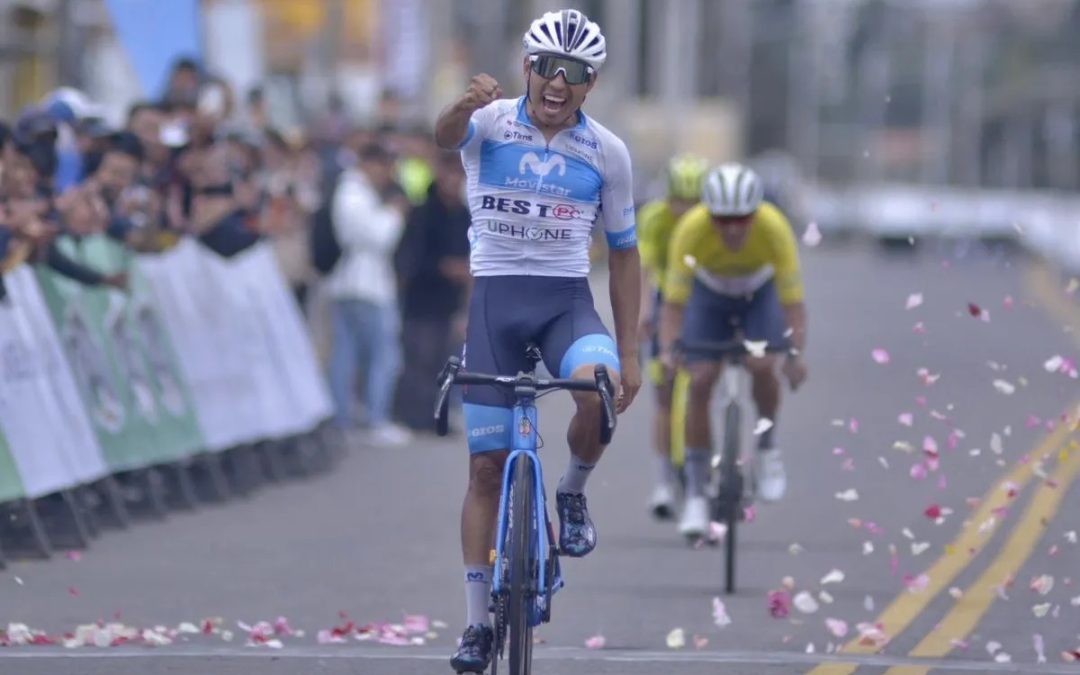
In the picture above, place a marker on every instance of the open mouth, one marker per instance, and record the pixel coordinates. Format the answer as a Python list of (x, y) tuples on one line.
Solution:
[(554, 104)]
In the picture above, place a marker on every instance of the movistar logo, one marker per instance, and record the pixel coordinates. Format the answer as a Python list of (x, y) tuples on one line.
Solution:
[(532, 162)]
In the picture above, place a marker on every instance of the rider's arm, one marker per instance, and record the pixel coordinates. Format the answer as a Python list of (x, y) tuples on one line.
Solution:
[(462, 122), (624, 263), (677, 282), (454, 126), (649, 250), (789, 279)]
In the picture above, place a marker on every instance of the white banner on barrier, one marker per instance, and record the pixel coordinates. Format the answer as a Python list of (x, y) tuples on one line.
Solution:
[(43, 417), (240, 342), (287, 342)]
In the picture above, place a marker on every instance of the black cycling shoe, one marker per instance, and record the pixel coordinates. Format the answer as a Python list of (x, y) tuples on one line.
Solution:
[(474, 654), (577, 535)]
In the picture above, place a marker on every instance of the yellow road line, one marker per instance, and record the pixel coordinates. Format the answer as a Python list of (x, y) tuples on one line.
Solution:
[(1048, 292), (978, 597), (958, 555)]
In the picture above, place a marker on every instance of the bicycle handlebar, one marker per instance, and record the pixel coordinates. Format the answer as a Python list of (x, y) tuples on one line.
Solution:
[(529, 383), (731, 348)]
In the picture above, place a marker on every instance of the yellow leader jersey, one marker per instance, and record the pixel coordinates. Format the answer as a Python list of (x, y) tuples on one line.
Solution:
[(770, 252), (655, 223)]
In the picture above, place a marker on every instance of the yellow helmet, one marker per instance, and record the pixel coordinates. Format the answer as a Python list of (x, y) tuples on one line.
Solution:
[(685, 174)]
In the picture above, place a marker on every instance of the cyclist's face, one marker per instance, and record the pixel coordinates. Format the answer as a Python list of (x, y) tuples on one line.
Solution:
[(733, 231), (553, 102)]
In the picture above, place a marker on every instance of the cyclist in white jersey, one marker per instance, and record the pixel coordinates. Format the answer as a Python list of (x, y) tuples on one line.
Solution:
[(541, 174)]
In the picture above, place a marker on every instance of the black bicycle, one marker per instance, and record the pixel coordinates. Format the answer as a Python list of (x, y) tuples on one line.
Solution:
[(527, 572), (729, 496)]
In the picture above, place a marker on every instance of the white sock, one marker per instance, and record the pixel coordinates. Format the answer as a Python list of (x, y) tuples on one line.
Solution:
[(697, 470), (478, 594), (573, 481), (665, 470)]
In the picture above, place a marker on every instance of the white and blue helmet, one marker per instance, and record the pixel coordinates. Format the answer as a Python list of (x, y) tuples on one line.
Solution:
[(567, 32)]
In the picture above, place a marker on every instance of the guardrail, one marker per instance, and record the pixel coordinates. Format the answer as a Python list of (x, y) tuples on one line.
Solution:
[(184, 387)]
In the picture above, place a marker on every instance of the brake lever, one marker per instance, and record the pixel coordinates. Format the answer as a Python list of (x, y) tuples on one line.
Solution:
[(608, 417), (442, 403)]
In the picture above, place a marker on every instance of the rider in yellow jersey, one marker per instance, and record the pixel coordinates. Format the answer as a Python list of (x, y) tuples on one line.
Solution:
[(733, 256), (656, 224)]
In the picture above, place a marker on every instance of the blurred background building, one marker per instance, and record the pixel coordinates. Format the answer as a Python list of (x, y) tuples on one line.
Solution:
[(826, 93)]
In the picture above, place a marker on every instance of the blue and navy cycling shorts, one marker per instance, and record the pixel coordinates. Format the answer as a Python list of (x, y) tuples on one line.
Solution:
[(708, 317), (505, 314)]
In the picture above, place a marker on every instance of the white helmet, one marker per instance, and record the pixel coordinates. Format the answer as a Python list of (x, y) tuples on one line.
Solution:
[(568, 32), (732, 189)]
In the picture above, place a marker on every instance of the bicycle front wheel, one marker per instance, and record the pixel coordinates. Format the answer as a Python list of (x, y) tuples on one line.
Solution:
[(521, 567), (731, 489)]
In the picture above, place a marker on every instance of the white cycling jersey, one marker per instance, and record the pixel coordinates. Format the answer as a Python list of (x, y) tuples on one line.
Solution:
[(534, 203)]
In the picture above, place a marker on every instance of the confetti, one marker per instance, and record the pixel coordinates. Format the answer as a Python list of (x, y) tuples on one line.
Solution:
[(1004, 387), (1042, 584), (763, 425), (1040, 648), (1054, 363), (933, 512), (978, 312), (867, 547), (805, 603), (676, 639), (812, 236), (996, 444), (720, 614), (913, 301), (917, 584), (795, 549), (825, 597), (834, 576), (837, 627), (595, 642), (919, 328), (918, 471), (918, 548), (868, 603), (779, 604), (1040, 610), (880, 355), (907, 419), (848, 495), (955, 592)]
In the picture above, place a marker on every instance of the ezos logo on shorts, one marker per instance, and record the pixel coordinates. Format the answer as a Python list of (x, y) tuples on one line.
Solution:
[(489, 430), (524, 207)]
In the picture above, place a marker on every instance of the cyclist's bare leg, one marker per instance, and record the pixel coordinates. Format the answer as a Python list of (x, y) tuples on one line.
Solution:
[(703, 377), (481, 507), (583, 436), (766, 392)]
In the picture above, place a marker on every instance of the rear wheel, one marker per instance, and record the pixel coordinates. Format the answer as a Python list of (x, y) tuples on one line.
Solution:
[(521, 578)]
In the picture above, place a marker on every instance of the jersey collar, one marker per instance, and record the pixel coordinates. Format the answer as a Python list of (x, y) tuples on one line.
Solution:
[(523, 116)]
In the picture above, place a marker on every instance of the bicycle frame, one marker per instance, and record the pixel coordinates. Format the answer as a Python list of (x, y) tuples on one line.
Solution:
[(524, 441)]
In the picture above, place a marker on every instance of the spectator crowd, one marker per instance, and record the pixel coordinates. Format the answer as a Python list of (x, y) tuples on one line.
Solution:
[(368, 224)]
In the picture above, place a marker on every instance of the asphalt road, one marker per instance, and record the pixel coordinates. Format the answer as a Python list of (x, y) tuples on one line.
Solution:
[(377, 539)]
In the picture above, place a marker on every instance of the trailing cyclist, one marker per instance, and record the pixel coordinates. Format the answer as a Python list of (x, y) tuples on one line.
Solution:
[(733, 259), (656, 225), (540, 174)]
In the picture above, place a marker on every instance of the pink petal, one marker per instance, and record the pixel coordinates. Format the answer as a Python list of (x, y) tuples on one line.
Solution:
[(918, 471), (919, 328), (779, 604), (941, 482), (595, 642), (749, 513), (416, 624), (853, 426), (929, 446), (880, 355), (73, 556), (837, 627), (907, 419), (921, 400), (913, 301)]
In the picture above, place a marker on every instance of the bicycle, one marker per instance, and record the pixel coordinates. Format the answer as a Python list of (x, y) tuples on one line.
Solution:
[(727, 491), (527, 572)]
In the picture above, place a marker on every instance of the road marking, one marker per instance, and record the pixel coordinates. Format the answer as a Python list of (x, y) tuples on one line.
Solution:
[(545, 654), (976, 600), (1041, 284), (959, 554)]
